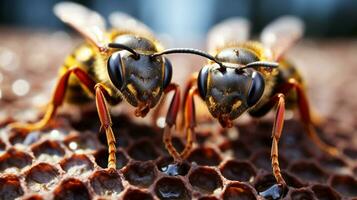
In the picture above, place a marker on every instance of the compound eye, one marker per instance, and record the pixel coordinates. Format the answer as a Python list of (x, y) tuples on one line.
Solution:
[(202, 82), (115, 71), (256, 89), (167, 72)]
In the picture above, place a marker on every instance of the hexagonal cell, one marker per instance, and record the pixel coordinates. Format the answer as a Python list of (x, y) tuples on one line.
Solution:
[(106, 183), (205, 156), (324, 192), (260, 139), (48, 151), (101, 158), (140, 173), (42, 177), (336, 165), (85, 142), (89, 121), (143, 150), (296, 152), (176, 142), (123, 126), (121, 135), (171, 188), (308, 171), (134, 194), (292, 181), (171, 168), (239, 148), (10, 187), (345, 185), (293, 133), (262, 160), (205, 180), (274, 192), (71, 189), (350, 152), (303, 193), (267, 187), (238, 171), (77, 164), (137, 132), (239, 191), (21, 137), (14, 159)]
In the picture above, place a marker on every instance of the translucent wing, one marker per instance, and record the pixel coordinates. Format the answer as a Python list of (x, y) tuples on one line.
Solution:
[(232, 30), (88, 23), (281, 34), (125, 22)]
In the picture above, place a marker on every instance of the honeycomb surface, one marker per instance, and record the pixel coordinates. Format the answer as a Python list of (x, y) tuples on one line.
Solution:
[(69, 163), (68, 160)]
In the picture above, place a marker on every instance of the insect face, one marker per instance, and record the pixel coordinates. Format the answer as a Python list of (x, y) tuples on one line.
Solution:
[(229, 93), (139, 77)]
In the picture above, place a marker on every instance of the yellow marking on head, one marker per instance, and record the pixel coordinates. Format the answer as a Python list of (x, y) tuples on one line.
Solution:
[(156, 91), (132, 89), (236, 105), (211, 101)]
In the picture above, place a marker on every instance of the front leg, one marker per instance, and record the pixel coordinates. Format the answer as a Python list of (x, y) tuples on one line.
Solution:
[(106, 122), (279, 100), (190, 120), (171, 120), (57, 99)]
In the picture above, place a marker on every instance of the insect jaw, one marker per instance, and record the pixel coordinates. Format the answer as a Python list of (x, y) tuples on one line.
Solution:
[(225, 121), (142, 109), (226, 110)]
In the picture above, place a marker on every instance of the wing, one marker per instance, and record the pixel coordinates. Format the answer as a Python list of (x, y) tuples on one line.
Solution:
[(86, 22), (281, 34), (232, 30), (125, 22)]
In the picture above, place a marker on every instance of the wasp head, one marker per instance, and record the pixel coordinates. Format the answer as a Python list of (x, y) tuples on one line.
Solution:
[(229, 93), (138, 76)]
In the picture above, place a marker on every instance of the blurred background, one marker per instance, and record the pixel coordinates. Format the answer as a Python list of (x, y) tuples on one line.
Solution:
[(180, 18), (34, 44)]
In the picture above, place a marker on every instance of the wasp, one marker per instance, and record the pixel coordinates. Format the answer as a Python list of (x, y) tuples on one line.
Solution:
[(124, 63), (244, 76)]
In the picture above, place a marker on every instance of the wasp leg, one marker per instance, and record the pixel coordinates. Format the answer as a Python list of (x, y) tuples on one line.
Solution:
[(190, 121), (189, 84), (306, 117), (279, 100), (57, 99), (106, 123), (171, 120)]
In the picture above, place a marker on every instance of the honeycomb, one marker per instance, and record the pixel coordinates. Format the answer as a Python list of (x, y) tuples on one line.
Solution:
[(69, 163), (68, 160)]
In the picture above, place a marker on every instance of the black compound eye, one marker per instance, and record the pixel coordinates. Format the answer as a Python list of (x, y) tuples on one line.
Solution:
[(167, 72), (202, 82), (256, 89), (115, 70)]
